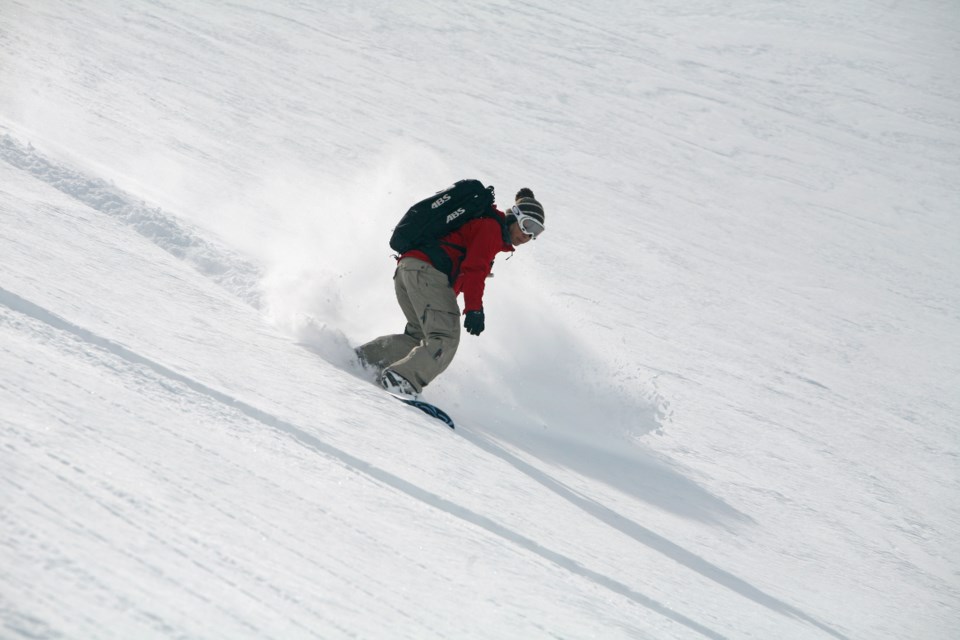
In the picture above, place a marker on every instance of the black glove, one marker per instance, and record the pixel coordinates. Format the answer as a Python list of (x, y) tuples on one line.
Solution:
[(473, 322)]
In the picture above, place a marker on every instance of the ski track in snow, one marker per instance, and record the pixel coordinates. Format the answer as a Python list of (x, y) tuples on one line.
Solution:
[(317, 445), (225, 267)]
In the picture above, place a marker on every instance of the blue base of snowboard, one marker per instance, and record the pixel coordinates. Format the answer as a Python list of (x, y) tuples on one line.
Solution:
[(427, 408)]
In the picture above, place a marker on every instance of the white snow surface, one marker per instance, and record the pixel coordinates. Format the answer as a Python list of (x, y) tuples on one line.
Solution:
[(718, 398)]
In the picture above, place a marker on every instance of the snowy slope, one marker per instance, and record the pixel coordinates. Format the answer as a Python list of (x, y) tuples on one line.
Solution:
[(718, 398)]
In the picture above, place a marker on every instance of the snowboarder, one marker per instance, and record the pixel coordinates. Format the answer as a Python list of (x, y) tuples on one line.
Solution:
[(409, 361)]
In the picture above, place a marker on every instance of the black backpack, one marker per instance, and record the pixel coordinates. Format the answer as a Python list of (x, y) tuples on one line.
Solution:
[(428, 221)]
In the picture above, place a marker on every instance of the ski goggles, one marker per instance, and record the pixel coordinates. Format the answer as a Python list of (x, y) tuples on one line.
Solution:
[(528, 224)]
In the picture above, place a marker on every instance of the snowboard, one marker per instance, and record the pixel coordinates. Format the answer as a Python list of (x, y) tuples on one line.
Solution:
[(429, 409)]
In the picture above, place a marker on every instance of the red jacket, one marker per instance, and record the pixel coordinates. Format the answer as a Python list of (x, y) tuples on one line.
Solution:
[(483, 239)]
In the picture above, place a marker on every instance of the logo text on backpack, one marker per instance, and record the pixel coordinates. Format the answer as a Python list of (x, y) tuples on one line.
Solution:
[(456, 214), (440, 201)]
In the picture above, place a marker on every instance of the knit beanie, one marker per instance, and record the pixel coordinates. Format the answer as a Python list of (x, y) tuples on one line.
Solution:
[(529, 205)]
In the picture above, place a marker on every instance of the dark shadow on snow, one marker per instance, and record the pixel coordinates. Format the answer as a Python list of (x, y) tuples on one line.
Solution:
[(633, 472), (646, 536)]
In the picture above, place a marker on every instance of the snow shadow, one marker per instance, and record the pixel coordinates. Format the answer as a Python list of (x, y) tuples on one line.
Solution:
[(645, 536), (630, 469), (532, 381), (633, 471)]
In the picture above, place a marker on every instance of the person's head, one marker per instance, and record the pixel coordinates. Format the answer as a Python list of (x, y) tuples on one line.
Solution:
[(525, 218)]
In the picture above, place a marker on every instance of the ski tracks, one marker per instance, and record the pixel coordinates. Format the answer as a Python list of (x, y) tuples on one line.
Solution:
[(227, 268), (317, 445)]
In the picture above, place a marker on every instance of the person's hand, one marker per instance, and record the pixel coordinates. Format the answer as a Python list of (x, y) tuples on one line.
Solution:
[(473, 322)]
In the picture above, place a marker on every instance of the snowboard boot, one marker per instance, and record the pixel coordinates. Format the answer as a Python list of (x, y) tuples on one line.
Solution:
[(395, 383)]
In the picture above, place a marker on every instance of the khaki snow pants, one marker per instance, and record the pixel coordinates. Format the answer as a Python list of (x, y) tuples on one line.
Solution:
[(430, 340)]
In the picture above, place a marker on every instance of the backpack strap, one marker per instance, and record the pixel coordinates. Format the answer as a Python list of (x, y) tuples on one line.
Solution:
[(439, 258)]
